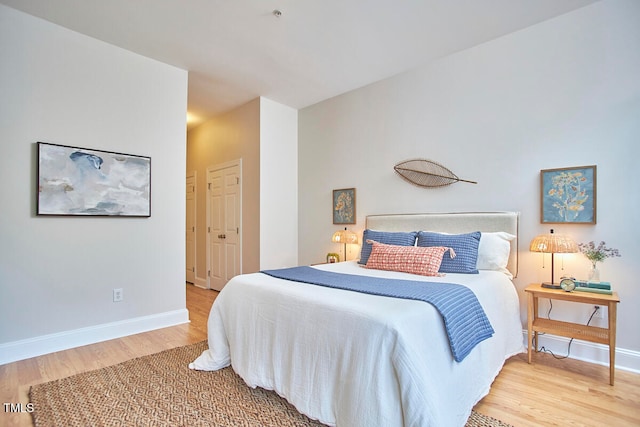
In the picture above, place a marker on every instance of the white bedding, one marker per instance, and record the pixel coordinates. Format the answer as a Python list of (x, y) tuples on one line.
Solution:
[(351, 359)]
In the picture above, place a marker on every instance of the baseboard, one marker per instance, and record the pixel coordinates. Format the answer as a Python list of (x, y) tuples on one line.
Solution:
[(32, 347), (626, 360)]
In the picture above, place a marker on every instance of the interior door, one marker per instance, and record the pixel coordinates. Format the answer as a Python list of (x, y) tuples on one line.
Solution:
[(232, 222), (224, 201), (190, 230)]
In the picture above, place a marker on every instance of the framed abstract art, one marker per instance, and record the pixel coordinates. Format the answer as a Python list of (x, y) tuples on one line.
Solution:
[(85, 182), (568, 195), (344, 206)]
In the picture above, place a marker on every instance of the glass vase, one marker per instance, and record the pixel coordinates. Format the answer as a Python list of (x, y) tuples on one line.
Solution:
[(594, 274)]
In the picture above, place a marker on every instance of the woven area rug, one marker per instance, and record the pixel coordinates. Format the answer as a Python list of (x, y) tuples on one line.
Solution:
[(160, 390)]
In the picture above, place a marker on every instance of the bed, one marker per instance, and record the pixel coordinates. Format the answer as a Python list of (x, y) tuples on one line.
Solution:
[(356, 359)]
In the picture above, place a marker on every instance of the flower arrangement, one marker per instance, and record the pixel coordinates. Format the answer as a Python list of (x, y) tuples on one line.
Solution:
[(597, 253)]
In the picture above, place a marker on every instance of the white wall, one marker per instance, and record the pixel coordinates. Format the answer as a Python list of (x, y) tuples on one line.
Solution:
[(562, 93), (278, 185), (57, 273)]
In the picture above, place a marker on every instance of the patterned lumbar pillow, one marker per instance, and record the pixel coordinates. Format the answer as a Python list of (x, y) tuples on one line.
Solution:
[(408, 259)]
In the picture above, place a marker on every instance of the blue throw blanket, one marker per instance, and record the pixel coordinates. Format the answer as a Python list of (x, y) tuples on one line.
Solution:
[(464, 319)]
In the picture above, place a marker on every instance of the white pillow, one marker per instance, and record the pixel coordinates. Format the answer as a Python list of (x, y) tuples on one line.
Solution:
[(494, 250)]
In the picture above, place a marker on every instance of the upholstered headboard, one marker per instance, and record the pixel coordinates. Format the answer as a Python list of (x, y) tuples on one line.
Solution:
[(455, 222)]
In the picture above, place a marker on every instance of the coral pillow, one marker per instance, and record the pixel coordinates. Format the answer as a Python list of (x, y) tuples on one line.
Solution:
[(408, 259)]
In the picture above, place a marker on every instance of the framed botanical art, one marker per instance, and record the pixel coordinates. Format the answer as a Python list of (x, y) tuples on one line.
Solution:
[(85, 182), (344, 206), (568, 195)]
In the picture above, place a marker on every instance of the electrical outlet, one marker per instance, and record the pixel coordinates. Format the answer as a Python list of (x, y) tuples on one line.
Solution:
[(599, 312), (118, 295)]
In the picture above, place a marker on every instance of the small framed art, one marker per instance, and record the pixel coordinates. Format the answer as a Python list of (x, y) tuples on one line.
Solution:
[(344, 206), (85, 182), (568, 195)]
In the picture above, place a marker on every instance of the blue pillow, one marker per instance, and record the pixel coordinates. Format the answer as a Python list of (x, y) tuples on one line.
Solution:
[(398, 238), (464, 245)]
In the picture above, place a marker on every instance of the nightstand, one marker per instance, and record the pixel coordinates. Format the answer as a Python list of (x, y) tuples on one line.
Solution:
[(595, 334)]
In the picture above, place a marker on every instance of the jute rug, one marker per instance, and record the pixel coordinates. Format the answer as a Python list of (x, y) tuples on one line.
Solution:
[(160, 390)]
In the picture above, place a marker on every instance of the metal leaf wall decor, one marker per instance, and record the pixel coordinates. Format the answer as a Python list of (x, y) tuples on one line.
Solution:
[(427, 173)]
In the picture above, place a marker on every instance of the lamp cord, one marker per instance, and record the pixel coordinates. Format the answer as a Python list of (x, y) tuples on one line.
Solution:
[(542, 348)]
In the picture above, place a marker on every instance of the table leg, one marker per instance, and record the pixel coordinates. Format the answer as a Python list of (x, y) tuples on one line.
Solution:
[(613, 307), (535, 316), (529, 324)]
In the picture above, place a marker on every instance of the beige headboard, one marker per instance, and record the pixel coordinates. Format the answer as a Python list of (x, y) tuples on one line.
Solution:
[(455, 222)]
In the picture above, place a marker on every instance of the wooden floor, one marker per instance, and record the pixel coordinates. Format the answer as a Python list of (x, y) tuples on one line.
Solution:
[(548, 392)]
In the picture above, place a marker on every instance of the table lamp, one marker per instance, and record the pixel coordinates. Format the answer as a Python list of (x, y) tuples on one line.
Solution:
[(553, 244), (344, 236)]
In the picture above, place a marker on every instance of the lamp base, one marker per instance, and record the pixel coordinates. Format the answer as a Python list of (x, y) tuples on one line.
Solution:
[(550, 285)]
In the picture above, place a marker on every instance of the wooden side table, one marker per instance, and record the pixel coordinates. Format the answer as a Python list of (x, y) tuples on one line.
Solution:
[(595, 334)]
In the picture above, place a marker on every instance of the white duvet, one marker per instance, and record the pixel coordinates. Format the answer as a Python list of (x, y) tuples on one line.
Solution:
[(351, 359)]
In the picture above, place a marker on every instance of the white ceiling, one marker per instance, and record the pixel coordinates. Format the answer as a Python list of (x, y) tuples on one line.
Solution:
[(237, 50)]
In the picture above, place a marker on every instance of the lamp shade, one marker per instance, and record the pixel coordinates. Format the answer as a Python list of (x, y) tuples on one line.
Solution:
[(553, 244), (344, 236)]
